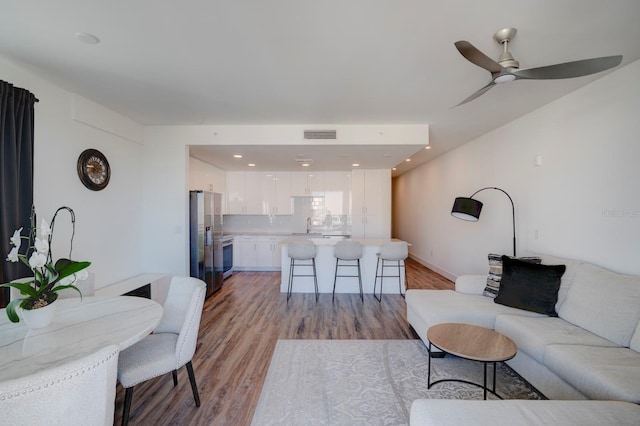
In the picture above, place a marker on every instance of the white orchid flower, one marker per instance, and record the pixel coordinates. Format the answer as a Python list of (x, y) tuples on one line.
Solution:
[(37, 260), (13, 255), (16, 239), (45, 231), (42, 246), (67, 280), (82, 275)]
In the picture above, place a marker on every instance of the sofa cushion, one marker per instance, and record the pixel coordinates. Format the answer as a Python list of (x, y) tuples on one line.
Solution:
[(495, 273), (445, 412), (635, 340), (532, 335), (604, 303), (529, 286), (598, 372), (567, 278), (440, 306)]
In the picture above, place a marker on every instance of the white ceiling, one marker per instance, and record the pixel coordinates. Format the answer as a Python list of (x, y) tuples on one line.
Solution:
[(290, 157), (298, 62)]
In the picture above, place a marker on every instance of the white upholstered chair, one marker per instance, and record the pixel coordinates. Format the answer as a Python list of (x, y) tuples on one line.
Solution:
[(395, 253), (81, 392), (171, 345)]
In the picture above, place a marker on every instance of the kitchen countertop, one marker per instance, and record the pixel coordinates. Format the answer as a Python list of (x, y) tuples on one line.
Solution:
[(316, 235), (334, 241)]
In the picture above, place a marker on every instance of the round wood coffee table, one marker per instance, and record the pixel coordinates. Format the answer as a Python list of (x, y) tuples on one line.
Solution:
[(474, 343)]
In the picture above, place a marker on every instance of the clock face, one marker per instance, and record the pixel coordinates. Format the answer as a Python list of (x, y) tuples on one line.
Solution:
[(93, 169)]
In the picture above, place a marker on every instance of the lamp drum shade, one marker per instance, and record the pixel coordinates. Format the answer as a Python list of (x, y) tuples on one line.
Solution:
[(466, 209)]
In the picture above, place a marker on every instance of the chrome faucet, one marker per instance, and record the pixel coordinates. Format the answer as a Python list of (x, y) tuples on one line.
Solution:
[(308, 225)]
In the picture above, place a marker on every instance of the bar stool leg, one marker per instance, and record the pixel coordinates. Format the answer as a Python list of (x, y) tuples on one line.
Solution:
[(335, 278), (359, 281), (291, 265), (375, 281), (406, 279), (315, 277)]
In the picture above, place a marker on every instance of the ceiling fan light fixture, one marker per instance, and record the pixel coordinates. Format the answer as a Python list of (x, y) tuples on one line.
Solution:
[(504, 78)]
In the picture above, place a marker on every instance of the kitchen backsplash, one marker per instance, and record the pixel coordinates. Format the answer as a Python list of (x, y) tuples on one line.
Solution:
[(306, 218)]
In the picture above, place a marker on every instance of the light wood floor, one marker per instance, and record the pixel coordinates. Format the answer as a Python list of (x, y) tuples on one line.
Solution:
[(238, 332)]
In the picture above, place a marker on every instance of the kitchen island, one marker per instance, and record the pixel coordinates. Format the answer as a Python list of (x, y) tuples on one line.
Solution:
[(326, 266)]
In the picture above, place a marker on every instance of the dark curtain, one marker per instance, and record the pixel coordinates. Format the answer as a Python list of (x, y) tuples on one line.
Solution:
[(16, 173)]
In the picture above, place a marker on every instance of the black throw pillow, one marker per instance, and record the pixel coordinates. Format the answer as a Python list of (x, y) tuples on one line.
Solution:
[(530, 286)]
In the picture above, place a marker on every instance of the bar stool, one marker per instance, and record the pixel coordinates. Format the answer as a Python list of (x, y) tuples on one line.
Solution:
[(348, 251), (396, 251), (302, 251)]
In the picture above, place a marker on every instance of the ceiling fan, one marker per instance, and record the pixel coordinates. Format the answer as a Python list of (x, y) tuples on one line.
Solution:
[(506, 69)]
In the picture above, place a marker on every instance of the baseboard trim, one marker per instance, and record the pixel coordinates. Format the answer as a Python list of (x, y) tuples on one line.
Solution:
[(433, 267)]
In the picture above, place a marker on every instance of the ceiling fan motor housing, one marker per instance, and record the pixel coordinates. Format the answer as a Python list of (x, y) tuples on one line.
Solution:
[(503, 37)]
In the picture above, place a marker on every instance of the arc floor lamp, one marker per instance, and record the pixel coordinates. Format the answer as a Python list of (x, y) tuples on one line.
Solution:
[(468, 208)]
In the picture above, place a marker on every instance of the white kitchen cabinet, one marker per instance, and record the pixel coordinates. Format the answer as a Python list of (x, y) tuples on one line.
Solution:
[(235, 193), (275, 193), (269, 253), (371, 204), (244, 252), (257, 253), (315, 183), (244, 193), (307, 183), (337, 192), (298, 184), (253, 194)]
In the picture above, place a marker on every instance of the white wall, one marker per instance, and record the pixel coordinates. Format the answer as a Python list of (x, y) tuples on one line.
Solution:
[(166, 154), (583, 200), (204, 176), (108, 222)]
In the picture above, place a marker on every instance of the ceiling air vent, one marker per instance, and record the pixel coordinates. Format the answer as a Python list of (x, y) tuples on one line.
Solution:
[(320, 134)]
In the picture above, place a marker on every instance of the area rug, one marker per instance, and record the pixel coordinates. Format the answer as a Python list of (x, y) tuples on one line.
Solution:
[(365, 382)]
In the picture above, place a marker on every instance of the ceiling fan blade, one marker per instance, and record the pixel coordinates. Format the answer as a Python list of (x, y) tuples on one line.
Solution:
[(473, 55), (570, 69), (477, 94)]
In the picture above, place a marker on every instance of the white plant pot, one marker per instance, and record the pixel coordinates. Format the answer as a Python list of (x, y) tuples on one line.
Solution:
[(39, 318)]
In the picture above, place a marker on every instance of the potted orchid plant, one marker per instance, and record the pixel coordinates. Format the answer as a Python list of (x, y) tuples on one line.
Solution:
[(41, 289)]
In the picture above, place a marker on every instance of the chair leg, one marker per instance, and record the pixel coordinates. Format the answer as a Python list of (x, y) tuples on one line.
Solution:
[(375, 282), (335, 278), (291, 266), (406, 280), (194, 386), (174, 373), (360, 281), (315, 277), (128, 396), (405, 273)]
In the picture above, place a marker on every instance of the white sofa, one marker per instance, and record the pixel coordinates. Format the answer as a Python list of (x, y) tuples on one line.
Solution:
[(590, 351), (450, 412)]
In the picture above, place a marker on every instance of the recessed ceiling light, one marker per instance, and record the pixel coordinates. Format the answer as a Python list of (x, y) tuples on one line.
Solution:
[(87, 38), (355, 165), (251, 165), (237, 155), (427, 147), (394, 168), (408, 160), (305, 164)]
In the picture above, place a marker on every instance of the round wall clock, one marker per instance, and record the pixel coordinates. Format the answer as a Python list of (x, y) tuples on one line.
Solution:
[(93, 169)]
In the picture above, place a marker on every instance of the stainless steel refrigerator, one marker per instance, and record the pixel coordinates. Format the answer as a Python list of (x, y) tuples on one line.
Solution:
[(205, 230)]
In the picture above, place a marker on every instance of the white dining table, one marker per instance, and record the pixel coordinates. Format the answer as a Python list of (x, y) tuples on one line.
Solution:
[(79, 328)]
